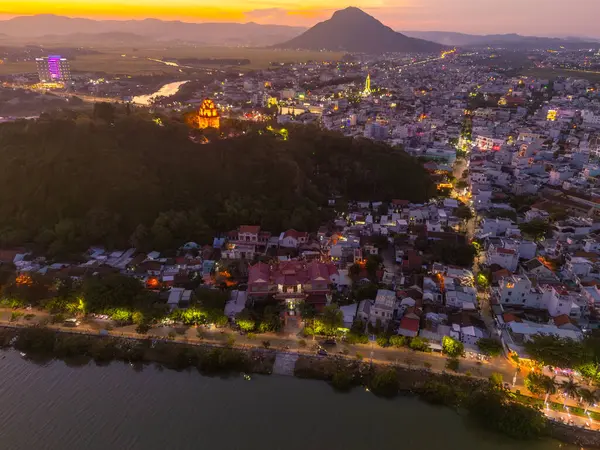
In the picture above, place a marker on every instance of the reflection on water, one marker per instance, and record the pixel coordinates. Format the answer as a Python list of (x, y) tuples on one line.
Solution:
[(165, 91), (55, 406)]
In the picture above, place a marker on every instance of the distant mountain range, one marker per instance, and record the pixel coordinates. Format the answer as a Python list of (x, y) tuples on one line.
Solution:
[(347, 30), (32, 28), (353, 30), (515, 41)]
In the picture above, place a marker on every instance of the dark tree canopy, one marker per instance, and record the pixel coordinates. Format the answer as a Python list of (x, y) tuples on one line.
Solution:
[(67, 183)]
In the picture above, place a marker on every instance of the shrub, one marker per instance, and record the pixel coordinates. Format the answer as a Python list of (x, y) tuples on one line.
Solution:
[(230, 341), (494, 409), (427, 365), (266, 344), (452, 364), (29, 316), (15, 315), (341, 381), (142, 328), (221, 320), (398, 341), (57, 318), (496, 379), (385, 383), (356, 338), (419, 344), (382, 341), (359, 356), (302, 343), (251, 336)]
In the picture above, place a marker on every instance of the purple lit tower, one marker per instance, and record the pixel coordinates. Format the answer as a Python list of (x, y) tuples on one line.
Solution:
[(53, 69)]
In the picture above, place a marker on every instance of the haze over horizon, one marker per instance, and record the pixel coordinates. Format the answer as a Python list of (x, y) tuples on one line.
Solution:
[(533, 17)]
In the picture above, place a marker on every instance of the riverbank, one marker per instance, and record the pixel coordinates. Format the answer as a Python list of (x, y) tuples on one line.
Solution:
[(41, 345), (475, 397)]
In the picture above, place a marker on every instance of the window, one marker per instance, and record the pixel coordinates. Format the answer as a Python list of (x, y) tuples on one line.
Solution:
[(523, 300), (510, 293), (523, 294)]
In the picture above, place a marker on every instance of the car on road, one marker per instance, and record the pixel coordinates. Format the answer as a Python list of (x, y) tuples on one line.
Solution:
[(71, 323), (329, 342), (322, 352)]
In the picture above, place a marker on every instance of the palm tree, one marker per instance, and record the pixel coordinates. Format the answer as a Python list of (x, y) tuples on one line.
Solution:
[(569, 389), (588, 397), (549, 386)]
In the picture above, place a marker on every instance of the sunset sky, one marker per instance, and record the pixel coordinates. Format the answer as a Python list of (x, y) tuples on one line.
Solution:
[(541, 17)]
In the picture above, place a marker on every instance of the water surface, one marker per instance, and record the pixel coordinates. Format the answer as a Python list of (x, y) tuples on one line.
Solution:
[(114, 407)]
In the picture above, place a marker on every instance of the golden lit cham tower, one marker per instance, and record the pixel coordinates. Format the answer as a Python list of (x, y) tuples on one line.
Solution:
[(367, 90), (208, 115)]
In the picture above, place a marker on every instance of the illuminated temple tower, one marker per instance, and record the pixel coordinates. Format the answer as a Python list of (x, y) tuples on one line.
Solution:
[(208, 116), (367, 90)]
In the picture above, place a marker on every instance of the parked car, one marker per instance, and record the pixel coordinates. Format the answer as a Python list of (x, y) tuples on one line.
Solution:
[(322, 352)]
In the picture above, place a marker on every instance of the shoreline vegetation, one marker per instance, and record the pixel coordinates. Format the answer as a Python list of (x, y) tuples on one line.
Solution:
[(484, 401)]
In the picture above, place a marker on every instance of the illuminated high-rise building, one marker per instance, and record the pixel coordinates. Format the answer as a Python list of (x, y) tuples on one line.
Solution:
[(53, 69)]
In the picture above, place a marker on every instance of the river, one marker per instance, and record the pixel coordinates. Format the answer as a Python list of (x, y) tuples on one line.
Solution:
[(57, 407), (165, 91)]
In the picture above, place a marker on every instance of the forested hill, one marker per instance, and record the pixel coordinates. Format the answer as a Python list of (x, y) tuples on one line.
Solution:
[(66, 184)]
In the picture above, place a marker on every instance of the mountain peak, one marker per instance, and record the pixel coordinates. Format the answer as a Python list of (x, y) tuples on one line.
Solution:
[(350, 10), (353, 30)]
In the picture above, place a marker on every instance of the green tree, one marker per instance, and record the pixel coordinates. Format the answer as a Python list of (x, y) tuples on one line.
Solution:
[(354, 272), (535, 229), (534, 382), (452, 347), (112, 292), (463, 212), (494, 409), (332, 319), (454, 253), (104, 111), (372, 266), (490, 347), (569, 388), (587, 397), (549, 387), (552, 350)]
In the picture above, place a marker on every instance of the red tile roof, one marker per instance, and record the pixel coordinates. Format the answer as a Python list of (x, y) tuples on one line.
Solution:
[(295, 234), (408, 323), (508, 317), (506, 251), (563, 319), (254, 229)]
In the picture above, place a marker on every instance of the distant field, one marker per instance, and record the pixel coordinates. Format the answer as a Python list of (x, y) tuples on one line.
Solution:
[(594, 77), (20, 67), (135, 61)]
